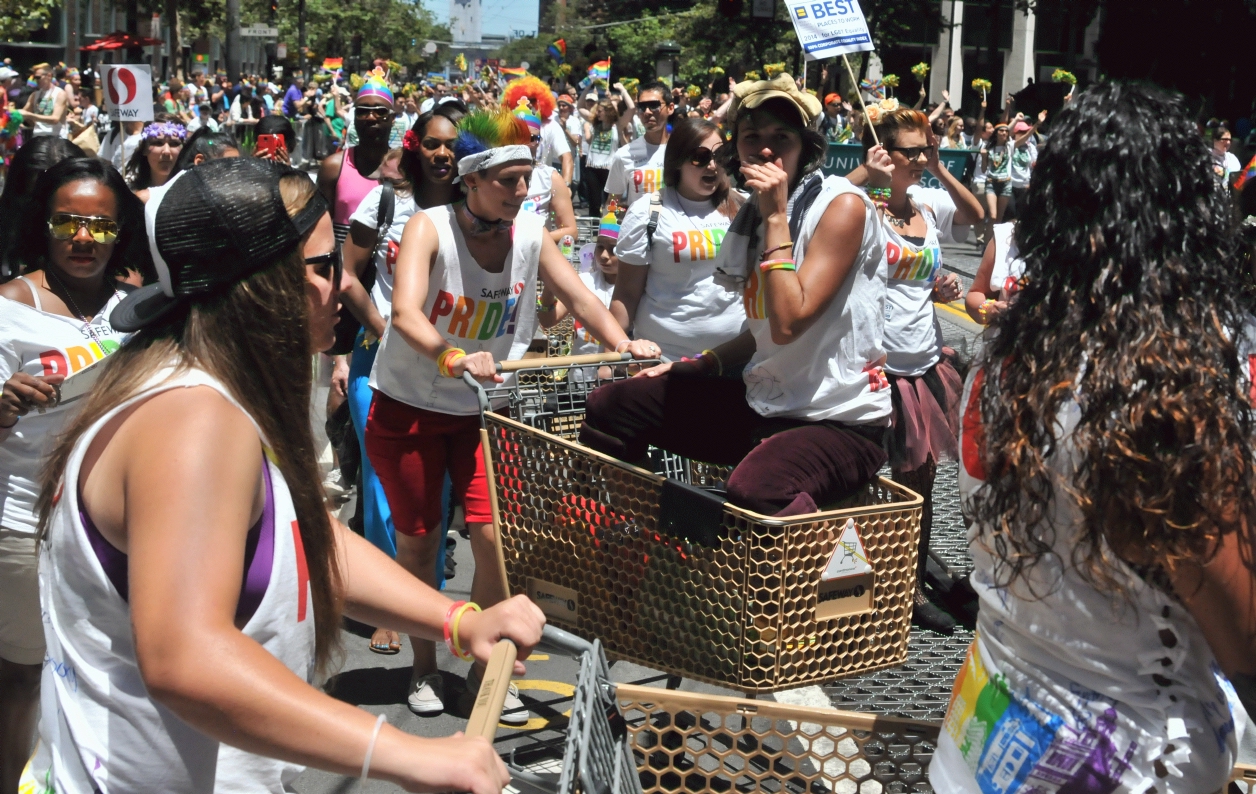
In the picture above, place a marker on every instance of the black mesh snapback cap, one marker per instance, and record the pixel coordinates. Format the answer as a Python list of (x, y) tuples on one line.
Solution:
[(213, 226)]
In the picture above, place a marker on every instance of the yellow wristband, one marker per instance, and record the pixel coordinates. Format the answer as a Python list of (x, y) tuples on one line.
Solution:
[(453, 631)]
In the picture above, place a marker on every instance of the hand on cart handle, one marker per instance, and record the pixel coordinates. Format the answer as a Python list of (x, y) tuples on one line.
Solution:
[(516, 619), (642, 348), (479, 365)]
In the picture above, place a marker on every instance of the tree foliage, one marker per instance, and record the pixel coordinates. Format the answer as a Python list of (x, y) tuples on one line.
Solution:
[(20, 18)]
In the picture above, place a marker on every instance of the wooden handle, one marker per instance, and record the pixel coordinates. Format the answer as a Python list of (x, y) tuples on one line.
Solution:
[(563, 361), (488, 703)]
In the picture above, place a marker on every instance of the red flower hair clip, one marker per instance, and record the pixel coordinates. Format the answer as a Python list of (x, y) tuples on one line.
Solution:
[(410, 142)]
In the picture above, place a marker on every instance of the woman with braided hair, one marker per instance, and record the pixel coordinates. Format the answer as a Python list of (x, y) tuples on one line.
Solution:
[(1108, 464)]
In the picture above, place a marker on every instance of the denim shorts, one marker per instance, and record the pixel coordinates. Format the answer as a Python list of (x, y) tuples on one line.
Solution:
[(999, 187)]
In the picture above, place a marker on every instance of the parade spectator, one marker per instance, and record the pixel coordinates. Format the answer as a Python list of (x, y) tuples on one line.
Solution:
[(602, 133), (154, 158), (81, 230), (47, 107), (636, 170), (205, 145), (344, 177), (1225, 164), (277, 125), (548, 196), (832, 123), (31, 161), (1106, 468), (293, 96), (667, 249)]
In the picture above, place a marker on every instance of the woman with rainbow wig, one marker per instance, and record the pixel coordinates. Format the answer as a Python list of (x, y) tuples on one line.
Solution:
[(552, 147), (548, 194), (464, 297)]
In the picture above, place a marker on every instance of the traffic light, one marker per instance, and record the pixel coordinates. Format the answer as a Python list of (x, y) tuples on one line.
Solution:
[(274, 9), (728, 8)]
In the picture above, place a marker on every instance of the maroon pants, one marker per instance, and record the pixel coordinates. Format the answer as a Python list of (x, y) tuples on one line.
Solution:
[(783, 466)]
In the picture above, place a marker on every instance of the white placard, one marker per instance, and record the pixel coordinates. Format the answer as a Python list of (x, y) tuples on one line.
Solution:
[(827, 28), (259, 32), (129, 92)]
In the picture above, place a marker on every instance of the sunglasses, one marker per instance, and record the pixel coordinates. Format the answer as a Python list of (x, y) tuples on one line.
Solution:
[(910, 152), (64, 226), (332, 259), (373, 110), (651, 104), (701, 157), (536, 138)]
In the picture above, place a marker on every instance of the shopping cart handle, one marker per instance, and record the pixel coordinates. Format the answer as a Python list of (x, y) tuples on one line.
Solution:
[(480, 394), (487, 711), (555, 639), (563, 361)]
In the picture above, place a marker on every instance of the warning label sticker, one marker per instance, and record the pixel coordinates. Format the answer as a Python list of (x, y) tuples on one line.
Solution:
[(849, 557), (847, 581)]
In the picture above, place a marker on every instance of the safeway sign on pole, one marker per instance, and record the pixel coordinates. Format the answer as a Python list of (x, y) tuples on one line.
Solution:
[(827, 28), (129, 92)]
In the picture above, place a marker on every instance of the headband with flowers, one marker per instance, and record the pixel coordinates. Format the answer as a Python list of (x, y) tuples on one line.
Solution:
[(875, 112), (164, 129)]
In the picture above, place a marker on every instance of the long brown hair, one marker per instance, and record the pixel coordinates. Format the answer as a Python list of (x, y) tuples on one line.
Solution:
[(686, 138), (254, 338)]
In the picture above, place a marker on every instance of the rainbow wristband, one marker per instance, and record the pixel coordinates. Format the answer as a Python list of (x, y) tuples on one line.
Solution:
[(455, 647), (449, 614), (882, 193), (777, 264), (445, 361)]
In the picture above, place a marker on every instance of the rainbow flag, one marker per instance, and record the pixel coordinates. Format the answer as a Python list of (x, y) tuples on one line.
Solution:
[(601, 70), (558, 50), (513, 71), (331, 64), (1248, 173)]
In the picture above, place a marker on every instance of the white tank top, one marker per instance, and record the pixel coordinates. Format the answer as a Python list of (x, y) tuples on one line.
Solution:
[(913, 335), (833, 371), (540, 192), (99, 729), (1008, 266), (472, 309)]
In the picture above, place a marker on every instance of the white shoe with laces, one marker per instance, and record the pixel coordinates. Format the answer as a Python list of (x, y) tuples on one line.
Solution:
[(513, 710), (427, 695)]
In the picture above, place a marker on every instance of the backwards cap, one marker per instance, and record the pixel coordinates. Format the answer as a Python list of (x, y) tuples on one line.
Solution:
[(487, 138)]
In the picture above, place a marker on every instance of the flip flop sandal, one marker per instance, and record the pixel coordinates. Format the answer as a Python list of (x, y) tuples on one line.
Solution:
[(386, 649)]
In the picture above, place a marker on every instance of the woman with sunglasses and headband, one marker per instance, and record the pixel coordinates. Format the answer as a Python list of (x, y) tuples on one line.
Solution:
[(155, 157), (925, 386), (82, 229), (667, 247)]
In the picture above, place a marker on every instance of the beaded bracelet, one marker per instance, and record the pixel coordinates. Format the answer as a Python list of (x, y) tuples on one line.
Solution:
[(777, 248), (455, 647), (719, 363), (541, 306), (777, 264), (984, 309), (882, 193), (445, 361)]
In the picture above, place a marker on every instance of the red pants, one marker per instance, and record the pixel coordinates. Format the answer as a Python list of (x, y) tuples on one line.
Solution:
[(411, 449)]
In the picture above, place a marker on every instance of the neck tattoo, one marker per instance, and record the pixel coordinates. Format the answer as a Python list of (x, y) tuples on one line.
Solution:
[(481, 226)]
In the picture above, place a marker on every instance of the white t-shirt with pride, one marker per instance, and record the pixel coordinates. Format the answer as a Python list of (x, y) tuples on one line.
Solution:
[(41, 344), (472, 309), (682, 309), (636, 170), (913, 337), (367, 214)]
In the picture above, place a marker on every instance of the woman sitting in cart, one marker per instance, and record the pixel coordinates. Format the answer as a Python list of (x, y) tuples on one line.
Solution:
[(464, 298), (800, 402), (1106, 449)]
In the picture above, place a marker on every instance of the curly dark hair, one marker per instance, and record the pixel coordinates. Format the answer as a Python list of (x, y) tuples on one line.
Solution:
[(1131, 311)]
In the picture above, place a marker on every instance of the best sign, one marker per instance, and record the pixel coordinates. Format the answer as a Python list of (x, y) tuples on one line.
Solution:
[(827, 28)]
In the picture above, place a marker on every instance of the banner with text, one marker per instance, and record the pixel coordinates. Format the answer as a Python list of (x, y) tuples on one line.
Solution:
[(129, 92), (827, 28)]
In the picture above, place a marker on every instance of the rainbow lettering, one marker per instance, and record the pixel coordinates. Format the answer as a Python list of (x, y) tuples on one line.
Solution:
[(72, 359), (468, 318), (390, 257), (913, 264), (752, 298), (647, 180), (701, 244)]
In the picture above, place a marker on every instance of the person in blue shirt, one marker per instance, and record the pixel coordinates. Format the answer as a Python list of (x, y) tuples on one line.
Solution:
[(293, 96)]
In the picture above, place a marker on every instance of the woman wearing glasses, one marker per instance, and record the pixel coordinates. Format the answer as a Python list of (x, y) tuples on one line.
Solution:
[(667, 247), (83, 228), (925, 387), (154, 159)]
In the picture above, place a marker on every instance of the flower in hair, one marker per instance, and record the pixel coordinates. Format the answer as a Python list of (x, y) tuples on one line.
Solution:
[(410, 141), (164, 129)]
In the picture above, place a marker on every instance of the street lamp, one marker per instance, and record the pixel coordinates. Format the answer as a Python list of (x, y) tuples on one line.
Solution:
[(666, 55)]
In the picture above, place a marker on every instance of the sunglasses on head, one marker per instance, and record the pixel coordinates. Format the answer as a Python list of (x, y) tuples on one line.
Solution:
[(332, 259), (701, 157), (64, 226), (910, 152)]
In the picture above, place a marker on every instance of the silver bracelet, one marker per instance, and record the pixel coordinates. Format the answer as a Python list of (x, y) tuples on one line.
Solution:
[(370, 748)]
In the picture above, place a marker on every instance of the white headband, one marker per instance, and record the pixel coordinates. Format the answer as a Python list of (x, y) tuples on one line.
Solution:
[(491, 157)]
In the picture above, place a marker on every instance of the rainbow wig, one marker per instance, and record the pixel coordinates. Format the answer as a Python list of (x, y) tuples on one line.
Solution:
[(540, 98), (376, 87), (524, 111), (491, 137)]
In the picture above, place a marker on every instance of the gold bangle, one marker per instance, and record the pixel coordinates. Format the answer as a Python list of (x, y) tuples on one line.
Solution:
[(719, 363)]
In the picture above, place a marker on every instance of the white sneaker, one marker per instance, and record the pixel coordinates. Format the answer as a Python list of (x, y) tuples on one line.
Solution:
[(513, 710), (427, 695), (334, 487)]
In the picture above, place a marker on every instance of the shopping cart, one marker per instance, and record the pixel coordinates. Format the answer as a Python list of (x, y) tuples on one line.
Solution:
[(672, 577), (628, 739)]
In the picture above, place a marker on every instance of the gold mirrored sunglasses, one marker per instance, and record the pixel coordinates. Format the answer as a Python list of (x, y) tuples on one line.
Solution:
[(64, 226)]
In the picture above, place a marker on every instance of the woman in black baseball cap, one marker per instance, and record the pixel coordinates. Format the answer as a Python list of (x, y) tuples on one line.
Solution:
[(193, 581)]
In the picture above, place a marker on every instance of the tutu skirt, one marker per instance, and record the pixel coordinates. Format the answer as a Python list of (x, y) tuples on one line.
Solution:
[(925, 418)]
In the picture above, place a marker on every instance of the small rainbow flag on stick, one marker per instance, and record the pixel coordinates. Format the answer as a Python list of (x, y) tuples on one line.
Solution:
[(558, 50), (332, 64), (514, 71), (601, 70), (1248, 175)]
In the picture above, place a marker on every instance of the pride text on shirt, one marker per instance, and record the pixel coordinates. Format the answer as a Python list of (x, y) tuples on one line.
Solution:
[(913, 264), (698, 244), (487, 317)]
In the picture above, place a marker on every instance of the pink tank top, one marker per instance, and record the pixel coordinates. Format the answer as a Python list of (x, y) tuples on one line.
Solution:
[(351, 188)]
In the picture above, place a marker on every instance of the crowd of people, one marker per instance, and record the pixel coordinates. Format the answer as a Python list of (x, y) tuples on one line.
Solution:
[(173, 581)]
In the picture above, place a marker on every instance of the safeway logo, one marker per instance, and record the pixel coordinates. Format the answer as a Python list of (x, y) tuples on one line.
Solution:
[(122, 86)]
